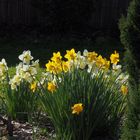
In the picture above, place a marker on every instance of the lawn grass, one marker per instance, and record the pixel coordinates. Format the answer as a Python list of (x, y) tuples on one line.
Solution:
[(42, 48)]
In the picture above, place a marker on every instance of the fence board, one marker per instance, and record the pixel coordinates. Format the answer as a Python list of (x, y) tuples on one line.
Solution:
[(106, 14)]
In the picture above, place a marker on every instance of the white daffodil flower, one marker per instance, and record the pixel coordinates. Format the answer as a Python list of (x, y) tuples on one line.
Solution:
[(15, 81), (3, 65), (116, 67), (85, 52), (27, 77), (35, 64), (25, 57)]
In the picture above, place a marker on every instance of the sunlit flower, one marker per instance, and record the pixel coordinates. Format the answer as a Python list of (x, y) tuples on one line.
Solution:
[(114, 58), (65, 66), (56, 57), (77, 108), (100, 62), (53, 67), (26, 57), (85, 53), (92, 56), (70, 55), (124, 89), (80, 61), (15, 81), (3, 65), (51, 87), (106, 64), (116, 67), (35, 64), (27, 77), (32, 71)]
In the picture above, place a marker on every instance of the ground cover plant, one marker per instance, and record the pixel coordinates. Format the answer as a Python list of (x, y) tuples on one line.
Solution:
[(83, 94)]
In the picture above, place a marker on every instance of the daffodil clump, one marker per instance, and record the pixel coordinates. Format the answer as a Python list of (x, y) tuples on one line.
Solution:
[(17, 90), (83, 93), (25, 71)]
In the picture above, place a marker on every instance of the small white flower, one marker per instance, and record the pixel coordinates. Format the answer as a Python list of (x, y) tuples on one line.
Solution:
[(116, 67), (3, 65), (25, 57), (32, 70), (15, 81), (13, 86), (80, 61), (85, 53), (27, 77), (35, 64), (26, 68)]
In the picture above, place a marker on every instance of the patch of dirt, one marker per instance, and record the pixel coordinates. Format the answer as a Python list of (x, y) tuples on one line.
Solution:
[(21, 131)]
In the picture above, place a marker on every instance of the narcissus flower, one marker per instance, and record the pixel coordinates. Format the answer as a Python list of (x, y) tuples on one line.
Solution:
[(15, 81), (56, 57), (51, 86), (124, 89), (91, 56), (70, 55), (33, 86), (3, 65), (106, 64), (114, 58), (26, 57), (53, 67), (77, 108), (65, 66), (3, 68), (100, 61)]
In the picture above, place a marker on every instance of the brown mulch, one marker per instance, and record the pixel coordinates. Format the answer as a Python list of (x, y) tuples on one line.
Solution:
[(22, 131)]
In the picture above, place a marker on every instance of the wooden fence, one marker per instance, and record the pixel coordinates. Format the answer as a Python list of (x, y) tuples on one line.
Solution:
[(106, 14)]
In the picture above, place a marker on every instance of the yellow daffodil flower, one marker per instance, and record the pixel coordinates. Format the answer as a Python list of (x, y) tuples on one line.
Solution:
[(33, 86), (114, 58), (51, 86), (56, 57), (91, 56), (100, 61), (65, 66), (51, 67), (77, 108), (124, 89), (70, 55), (106, 64)]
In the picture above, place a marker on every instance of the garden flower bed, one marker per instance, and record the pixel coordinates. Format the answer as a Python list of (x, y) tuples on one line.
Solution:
[(83, 94)]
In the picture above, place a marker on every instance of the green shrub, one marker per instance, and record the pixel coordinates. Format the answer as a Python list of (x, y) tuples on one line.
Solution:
[(130, 38)]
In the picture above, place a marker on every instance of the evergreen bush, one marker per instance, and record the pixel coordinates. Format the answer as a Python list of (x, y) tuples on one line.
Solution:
[(130, 38)]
